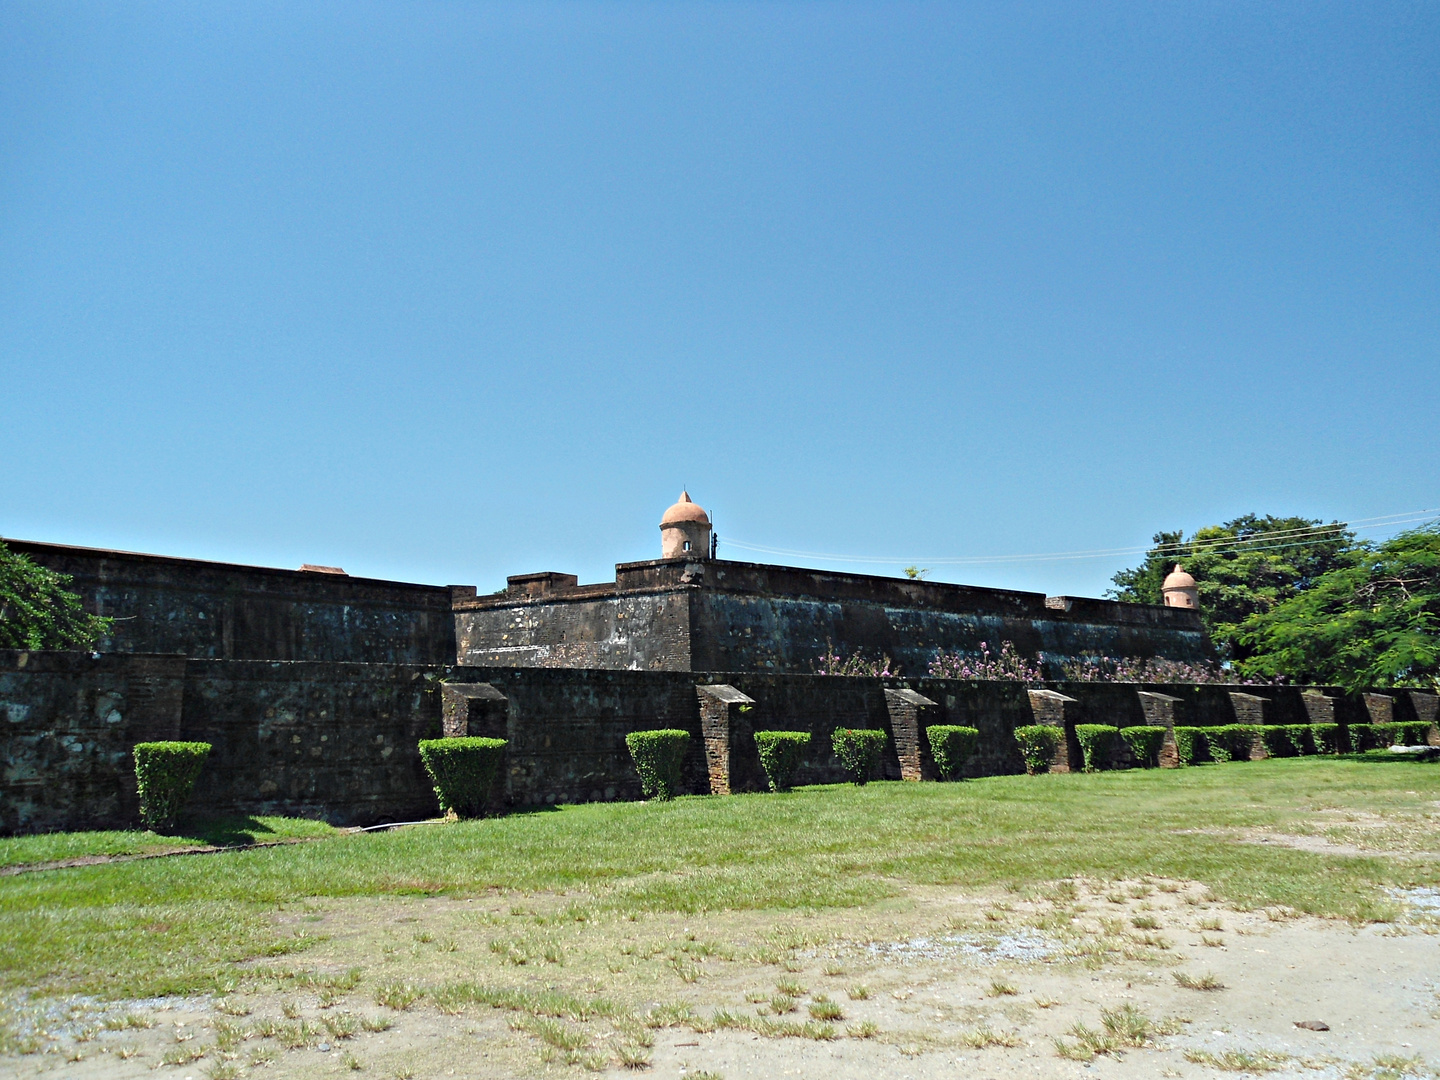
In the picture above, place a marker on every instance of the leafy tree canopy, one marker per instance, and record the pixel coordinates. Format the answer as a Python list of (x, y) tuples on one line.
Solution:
[(37, 611), (1372, 621), (1243, 568)]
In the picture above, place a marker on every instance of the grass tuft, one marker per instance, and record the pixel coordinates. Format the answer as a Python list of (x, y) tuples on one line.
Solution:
[(1252, 1061), (1207, 981), (979, 1038), (822, 1008), (398, 996)]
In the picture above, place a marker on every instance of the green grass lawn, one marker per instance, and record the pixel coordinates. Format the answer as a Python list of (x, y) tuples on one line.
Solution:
[(177, 925), (226, 831)]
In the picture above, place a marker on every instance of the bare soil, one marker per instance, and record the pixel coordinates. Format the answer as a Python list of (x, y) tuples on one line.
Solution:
[(940, 982)]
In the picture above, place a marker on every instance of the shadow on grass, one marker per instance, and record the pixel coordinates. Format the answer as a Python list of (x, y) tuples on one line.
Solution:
[(224, 831), (1385, 757)]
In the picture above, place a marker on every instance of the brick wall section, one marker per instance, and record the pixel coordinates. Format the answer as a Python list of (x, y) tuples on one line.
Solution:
[(224, 611), (1060, 711), (1381, 708), (1423, 708), (730, 752), (1319, 708), (68, 724), (1164, 710), (910, 713)]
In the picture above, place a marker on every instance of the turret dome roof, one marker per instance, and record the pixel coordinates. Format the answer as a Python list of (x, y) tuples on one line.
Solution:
[(1178, 579), (685, 510)]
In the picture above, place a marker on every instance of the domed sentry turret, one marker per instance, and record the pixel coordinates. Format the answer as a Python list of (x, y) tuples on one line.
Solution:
[(1180, 590), (685, 531)]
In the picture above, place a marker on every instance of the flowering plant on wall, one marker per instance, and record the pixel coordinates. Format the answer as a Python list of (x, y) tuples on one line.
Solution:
[(1154, 669), (832, 663), (1006, 665)]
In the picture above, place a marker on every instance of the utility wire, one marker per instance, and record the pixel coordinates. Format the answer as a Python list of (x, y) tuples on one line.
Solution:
[(1215, 545)]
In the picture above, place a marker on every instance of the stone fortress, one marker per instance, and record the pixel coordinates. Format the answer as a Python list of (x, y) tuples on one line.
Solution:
[(689, 611), (314, 686)]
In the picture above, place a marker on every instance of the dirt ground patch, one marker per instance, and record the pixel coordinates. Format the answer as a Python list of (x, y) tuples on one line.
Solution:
[(1077, 978)]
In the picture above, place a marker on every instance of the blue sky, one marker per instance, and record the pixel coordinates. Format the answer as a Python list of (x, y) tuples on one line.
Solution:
[(444, 292)]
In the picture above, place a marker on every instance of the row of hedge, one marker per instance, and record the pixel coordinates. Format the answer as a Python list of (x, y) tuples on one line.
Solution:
[(465, 770), (1233, 741), (658, 755), (1225, 742)]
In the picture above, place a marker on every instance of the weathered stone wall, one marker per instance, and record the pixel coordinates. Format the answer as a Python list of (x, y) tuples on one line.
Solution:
[(68, 722), (308, 739), (219, 610), (338, 740), (748, 631), (714, 615), (645, 632)]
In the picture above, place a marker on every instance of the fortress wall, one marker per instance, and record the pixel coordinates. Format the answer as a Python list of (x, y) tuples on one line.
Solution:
[(338, 740), (744, 632), (312, 739), (220, 610), (714, 615)]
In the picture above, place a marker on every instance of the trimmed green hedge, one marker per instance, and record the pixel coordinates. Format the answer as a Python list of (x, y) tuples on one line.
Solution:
[(1372, 736), (1277, 740), (952, 746), (780, 755), (464, 771), (1379, 736), (658, 756), (1190, 745), (859, 750), (1145, 741), (1097, 743), (1327, 738), (1412, 733), (1299, 738), (1231, 742), (165, 774), (1038, 743)]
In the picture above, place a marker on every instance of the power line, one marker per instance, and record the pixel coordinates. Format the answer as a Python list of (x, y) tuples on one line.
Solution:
[(1221, 545)]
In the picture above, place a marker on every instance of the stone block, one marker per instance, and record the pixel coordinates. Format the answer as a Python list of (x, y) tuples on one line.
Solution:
[(1426, 707), (1252, 709), (729, 740), (906, 709), (1319, 708), (474, 710), (1164, 710), (1380, 707), (1057, 710)]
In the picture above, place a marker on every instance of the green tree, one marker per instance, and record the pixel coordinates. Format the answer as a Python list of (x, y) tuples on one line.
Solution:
[(1243, 568), (1372, 621), (37, 611)]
